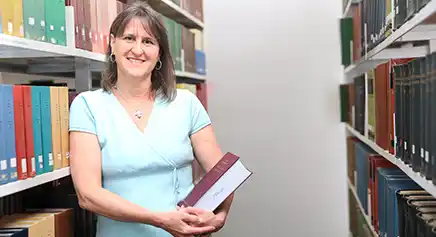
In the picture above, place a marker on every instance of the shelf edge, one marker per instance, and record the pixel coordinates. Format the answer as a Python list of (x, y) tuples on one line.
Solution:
[(415, 176), (21, 185)]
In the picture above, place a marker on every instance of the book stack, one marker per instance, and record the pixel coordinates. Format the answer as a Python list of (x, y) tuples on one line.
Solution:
[(371, 22), (23, 211), (44, 222), (394, 106), (394, 204), (186, 47), (34, 124), (42, 20)]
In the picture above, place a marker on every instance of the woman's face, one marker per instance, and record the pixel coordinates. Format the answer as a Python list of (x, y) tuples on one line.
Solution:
[(136, 51)]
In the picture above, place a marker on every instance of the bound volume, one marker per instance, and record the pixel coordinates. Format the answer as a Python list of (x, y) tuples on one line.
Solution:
[(217, 184)]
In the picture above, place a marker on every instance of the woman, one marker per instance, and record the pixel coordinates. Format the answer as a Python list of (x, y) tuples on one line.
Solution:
[(132, 142)]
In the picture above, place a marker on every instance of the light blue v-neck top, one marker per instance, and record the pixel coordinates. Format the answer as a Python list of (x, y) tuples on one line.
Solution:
[(150, 168)]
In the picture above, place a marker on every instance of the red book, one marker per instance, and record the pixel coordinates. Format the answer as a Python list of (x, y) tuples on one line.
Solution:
[(20, 138), (217, 184), (28, 131)]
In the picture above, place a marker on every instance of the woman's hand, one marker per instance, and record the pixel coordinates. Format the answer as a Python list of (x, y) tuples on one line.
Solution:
[(206, 218), (183, 224)]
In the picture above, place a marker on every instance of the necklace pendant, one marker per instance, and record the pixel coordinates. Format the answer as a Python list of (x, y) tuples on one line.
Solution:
[(138, 114)]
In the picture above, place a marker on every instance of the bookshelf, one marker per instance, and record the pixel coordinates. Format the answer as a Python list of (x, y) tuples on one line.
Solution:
[(416, 176), (172, 10), (77, 61), (386, 107), (22, 185)]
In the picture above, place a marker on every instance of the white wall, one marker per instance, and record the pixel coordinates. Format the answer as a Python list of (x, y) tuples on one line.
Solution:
[(274, 73)]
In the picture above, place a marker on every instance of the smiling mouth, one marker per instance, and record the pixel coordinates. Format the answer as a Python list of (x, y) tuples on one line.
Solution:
[(136, 60)]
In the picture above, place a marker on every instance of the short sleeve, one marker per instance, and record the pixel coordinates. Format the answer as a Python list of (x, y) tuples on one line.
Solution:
[(81, 118), (199, 116)]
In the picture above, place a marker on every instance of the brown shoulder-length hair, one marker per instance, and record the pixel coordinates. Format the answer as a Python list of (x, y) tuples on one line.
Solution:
[(163, 80)]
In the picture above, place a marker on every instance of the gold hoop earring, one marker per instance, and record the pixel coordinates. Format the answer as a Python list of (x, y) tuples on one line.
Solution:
[(160, 65)]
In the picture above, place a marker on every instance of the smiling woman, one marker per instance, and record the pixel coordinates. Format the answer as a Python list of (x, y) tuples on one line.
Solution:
[(132, 143), (139, 43)]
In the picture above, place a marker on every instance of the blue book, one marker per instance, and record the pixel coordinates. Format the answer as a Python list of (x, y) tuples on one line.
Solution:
[(4, 170), (200, 62), (362, 154), (47, 150), (9, 118), (385, 173), (37, 129), (395, 186)]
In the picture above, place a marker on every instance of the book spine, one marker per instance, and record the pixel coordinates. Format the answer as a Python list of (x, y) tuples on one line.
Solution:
[(209, 179)]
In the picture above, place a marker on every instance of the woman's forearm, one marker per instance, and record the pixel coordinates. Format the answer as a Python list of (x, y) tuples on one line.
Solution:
[(106, 203)]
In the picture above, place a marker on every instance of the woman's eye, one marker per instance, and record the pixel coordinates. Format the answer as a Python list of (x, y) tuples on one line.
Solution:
[(128, 38), (148, 41)]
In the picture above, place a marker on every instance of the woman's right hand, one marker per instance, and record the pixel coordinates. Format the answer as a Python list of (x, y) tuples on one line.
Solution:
[(182, 224)]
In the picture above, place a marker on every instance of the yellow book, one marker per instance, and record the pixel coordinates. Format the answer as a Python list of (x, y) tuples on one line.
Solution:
[(17, 20), (64, 120), (55, 127), (7, 15)]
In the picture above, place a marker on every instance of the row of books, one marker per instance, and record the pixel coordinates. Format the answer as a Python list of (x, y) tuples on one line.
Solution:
[(42, 20), (393, 202), (34, 124), (186, 47), (371, 22), (194, 7), (92, 20), (22, 211), (85, 24), (40, 222), (393, 105)]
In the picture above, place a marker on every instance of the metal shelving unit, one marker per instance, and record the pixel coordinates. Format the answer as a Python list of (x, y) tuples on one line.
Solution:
[(415, 176), (400, 44), (414, 38), (20, 55)]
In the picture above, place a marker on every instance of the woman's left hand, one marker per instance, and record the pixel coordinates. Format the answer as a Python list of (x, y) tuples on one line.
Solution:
[(206, 218)]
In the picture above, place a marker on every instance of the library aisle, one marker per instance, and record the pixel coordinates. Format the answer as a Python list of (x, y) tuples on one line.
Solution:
[(50, 51), (388, 108)]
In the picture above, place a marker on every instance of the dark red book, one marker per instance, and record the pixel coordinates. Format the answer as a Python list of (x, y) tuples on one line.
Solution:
[(28, 131), (20, 138), (217, 184)]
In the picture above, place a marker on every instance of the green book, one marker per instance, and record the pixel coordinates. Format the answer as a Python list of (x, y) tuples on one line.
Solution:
[(60, 31), (169, 26), (346, 28), (55, 21), (50, 18), (174, 31), (344, 102), (34, 19), (178, 47)]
